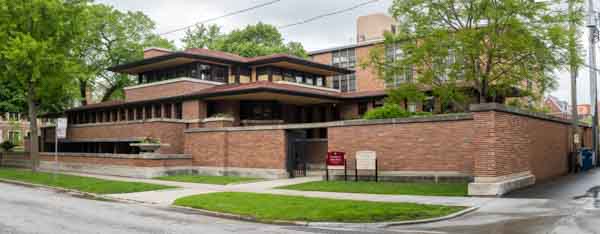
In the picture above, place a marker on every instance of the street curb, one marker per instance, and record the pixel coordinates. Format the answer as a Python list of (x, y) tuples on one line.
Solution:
[(238, 217), (320, 224), (59, 189)]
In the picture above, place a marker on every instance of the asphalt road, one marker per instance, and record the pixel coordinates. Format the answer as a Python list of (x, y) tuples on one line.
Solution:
[(34, 210), (558, 206)]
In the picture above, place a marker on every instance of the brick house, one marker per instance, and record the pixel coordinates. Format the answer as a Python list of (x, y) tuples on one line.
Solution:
[(278, 115)]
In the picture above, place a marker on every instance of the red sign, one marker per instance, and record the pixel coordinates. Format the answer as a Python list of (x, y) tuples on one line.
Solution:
[(335, 158)]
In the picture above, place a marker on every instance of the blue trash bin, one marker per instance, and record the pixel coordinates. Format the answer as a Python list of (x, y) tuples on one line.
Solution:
[(587, 159)]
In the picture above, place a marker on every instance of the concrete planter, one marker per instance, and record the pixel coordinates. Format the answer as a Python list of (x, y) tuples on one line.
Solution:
[(148, 147), (218, 122)]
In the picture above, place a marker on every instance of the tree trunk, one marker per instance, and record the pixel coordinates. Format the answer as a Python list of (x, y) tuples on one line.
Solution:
[(33, 129), (483, 91), (83, 91)]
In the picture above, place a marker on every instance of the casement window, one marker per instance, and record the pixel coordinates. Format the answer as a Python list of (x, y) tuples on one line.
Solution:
[(115, 116), (123, 114), (262, 73), (178, 111), (139, 113), (256, 110), (195, 70), (130, 114), (363, 107), (148, 111), (168, 113), (157, 111)]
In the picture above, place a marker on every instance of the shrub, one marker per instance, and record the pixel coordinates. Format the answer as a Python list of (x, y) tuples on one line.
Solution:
[(392, 111), (7, 146), (387, 111)]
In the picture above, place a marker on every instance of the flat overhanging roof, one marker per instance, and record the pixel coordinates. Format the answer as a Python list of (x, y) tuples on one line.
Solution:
[(221, 58), (284, 91)]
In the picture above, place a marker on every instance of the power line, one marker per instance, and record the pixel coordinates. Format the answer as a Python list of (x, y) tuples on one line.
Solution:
[(221, 16), (327, 14)]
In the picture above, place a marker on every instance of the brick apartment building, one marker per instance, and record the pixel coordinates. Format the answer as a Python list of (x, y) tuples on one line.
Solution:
[(277, 116), (13, 127)]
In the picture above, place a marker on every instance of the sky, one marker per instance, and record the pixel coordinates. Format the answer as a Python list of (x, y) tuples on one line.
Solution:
[(324, 33)]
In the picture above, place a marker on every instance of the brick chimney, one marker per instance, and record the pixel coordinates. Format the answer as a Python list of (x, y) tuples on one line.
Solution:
[(154, 52)]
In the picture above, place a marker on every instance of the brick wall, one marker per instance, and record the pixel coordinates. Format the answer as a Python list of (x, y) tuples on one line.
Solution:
[(246, 149), (428, 146), (493, 143), (168, 132), (164, 90)]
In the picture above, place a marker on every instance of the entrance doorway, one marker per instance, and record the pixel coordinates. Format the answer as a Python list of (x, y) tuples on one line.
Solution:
[(306, 150)]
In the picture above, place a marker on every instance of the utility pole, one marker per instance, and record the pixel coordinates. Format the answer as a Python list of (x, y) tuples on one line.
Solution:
[(593, 34), (573, 60)]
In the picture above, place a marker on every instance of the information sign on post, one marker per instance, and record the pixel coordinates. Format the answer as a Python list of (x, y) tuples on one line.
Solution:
[(366, 160), (60, 132), (336, 161)]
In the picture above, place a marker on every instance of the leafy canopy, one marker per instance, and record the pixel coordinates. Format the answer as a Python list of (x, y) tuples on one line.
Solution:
[(493, 45), (36, 55), (254, 40), (114, 37)]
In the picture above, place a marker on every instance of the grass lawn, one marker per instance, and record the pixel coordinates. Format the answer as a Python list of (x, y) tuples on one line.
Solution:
[(223, 180), (80, 183), (269, 207), (431, 189)]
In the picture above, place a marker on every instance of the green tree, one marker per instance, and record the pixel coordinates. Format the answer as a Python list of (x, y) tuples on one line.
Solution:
[(492, 45), (202, 36), (37, 55), (113, 37), (253, 40)]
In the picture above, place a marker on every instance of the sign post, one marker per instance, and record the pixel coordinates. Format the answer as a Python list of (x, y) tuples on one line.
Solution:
[(366, 160), (336, 161), (60, 132)]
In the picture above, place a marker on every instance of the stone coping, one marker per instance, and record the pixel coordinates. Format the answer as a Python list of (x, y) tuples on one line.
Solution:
[(156, 120), (123, 156), (359, 122), (512, 110), (93, 140), (181, 79), (218, 119)]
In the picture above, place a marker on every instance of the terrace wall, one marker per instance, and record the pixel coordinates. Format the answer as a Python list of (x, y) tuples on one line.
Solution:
[(130, 165), (169, 132), (252, 153)]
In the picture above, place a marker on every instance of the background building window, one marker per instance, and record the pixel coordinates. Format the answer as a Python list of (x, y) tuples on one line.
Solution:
[(393, 54), (344, 59), (14, 137), (412, 107)]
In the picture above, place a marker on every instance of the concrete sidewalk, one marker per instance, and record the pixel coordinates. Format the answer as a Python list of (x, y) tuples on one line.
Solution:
[(166, 197)]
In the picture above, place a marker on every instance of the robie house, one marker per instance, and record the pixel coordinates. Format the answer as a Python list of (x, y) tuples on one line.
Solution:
[(277, 116)]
